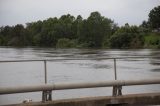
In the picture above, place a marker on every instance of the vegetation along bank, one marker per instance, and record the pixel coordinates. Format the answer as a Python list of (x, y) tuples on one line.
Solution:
[(96, 31)]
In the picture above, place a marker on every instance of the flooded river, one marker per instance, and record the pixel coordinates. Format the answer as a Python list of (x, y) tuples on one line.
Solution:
[(89, 70)]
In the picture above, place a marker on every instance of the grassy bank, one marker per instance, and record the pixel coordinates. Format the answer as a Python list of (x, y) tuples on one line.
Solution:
[(152, 40)]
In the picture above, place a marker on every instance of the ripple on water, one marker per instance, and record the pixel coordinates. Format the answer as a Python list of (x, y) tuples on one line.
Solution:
[(155, 70)]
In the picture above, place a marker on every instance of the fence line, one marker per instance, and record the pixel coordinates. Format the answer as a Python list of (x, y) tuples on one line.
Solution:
[(47, 89), (35, 60)]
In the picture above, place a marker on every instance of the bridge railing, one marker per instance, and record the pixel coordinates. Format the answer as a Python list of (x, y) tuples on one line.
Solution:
[(47, 88), (47, 60)]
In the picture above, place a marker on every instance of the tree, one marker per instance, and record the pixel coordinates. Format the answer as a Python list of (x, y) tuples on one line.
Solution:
[(18, 36), (66, 22), (144, 24), (95, 29), (127, 37), (33, 32), (154, 18), (76, 26), (91, 32), (145, 27), (6, 34)]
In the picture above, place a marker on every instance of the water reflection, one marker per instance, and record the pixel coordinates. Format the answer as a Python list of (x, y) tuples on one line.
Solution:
[(155, 70)]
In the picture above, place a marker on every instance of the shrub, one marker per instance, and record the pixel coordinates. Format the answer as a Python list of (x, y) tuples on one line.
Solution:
[(66, 43)]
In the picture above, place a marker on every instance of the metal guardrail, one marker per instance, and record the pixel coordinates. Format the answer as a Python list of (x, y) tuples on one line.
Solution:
[(45, 62), (47, 89), (63, 86), (111, 58)]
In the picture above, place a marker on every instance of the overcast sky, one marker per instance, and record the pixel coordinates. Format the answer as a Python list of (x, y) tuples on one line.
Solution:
[(14, 12)]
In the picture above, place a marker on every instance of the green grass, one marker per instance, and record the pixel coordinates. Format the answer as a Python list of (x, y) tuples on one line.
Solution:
[(152, 40)]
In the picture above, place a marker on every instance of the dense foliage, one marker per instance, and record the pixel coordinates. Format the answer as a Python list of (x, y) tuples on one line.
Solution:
[(70, 32), (127, 37), (154, 17), (67, 30)]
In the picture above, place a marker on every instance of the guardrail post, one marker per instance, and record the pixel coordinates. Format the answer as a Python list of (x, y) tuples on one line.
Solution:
[(117, 90), (46, 95), (45, 71), (115, 69)]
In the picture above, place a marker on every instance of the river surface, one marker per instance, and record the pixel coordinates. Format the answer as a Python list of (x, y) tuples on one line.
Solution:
[(32, 73)]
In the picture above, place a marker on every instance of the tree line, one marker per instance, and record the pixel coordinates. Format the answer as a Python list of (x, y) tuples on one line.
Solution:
[(68, 31)]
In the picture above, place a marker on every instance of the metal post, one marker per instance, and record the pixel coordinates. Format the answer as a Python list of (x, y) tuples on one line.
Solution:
[(45, 71), (117, 90), (46, 95), (115, 69), (114, 91)]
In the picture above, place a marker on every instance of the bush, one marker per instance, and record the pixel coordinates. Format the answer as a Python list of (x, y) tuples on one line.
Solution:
[(66, 43), (127, 37), (121, 40)]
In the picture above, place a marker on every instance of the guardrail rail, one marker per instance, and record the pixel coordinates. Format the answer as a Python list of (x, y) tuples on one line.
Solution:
[(48, 88)]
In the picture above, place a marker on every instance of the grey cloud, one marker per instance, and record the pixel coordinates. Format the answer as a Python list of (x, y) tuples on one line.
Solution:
[(121, 11)]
